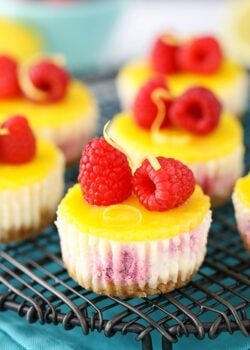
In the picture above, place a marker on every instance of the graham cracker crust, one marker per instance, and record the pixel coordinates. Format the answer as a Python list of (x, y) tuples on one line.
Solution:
[(218, 201), (246, 243), (134, 290), (14, 235)]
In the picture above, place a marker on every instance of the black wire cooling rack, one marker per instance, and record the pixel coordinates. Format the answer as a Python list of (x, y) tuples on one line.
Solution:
[(34, 283)]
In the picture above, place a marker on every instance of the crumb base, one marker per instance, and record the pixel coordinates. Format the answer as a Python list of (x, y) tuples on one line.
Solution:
[(134, 290), (24, 233)]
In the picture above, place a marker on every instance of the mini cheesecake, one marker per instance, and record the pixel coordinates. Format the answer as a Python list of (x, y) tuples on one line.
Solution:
[(68, 123), (58, 107), (241, 201), (230, 84), (215, 158), (18, 40), (29, 193), (125, 234), (126, 250)]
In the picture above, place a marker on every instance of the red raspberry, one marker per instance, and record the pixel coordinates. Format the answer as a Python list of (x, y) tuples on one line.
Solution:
[(104, 175), (145, 109), (163, 189), (17, 142), (9, 86), (49, 78), (201, 55), (163, 55), (197, 110)]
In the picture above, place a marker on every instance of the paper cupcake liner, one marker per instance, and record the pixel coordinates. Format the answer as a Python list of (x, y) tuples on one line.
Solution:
[(24, 212), (242, 215), (132, 268)]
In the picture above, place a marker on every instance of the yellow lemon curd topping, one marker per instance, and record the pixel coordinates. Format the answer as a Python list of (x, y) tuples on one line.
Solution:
[(130, 221), (137, 73), (13, 177), (177, 143), (242, 190), (18, 40), (75, 105)]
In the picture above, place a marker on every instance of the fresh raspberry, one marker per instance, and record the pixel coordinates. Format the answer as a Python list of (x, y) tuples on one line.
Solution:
[(201, 55), (163, 189), (49, 78), (17, 141), (163, 55), (104, 175), (145, 109), (9, 86), (197, 110)]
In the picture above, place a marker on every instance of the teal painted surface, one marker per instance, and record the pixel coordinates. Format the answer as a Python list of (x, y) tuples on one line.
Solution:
[(16, 334)]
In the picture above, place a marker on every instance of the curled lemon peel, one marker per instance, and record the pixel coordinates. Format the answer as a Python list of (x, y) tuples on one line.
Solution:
[(4, 131), (169, 39), (152, 160), (114, 144), (25, 82), (158, 96), (119, 214)]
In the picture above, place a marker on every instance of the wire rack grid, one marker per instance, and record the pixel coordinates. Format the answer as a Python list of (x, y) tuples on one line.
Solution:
[(34, 283)]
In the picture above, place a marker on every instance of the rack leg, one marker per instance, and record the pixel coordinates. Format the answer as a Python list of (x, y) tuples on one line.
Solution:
[(147, 343), (166, 344)]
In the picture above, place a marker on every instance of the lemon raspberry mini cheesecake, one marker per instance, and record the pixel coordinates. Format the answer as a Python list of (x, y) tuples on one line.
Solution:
[(197, 61), (241, 201), (132, 235), (191, 127), (58, 107), (18, 40), (31, 181)]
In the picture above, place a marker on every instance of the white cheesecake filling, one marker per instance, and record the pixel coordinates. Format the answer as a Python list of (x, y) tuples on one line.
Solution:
[(23, 209)]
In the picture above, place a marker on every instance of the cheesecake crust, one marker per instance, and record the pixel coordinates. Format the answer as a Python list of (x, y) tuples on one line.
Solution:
[(24, 233), (134, 290), (246, 243)]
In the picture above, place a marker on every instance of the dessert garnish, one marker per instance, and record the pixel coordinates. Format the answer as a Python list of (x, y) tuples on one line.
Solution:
[(197, 110), (165, 188), (9, 85), (44, 80), (106, 179), (17, 141), (201, 55), (120, 215), (41, 79), (163, 55), (104, 175), (145, 108)]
